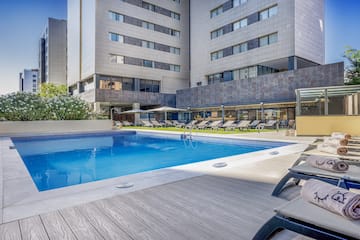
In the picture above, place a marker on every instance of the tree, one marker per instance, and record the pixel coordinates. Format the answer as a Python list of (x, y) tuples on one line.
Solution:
[(353, 70), (50, 90)]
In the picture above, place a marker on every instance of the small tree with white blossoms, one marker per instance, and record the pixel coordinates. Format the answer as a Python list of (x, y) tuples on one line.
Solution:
[(31, 107)]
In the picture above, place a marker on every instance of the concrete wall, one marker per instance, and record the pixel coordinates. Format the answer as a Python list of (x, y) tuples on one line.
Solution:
[(325, 125), (271, 88), (28, 127)]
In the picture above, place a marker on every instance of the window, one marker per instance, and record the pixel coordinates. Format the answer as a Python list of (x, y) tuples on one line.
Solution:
[(268, 13), (116, 16), (272, 11), (174, 33), (236, 25), (148, 63), (198, 83), (128, 84), (116, 37), (264, 14), (236, 74), (174, 68), (273, 38), (252, 72), (244, 47), (236, 49), (217, 33), (117, 59), (34, 80), (243, 22), (216, 11), (175, 15), (149, 86), (228, 76), (264, 41), (216, 55), (148, 6), (34, 76), (175, 50), (148, 25), (244, 73), (235, 3), (240, 24), (148, 44), (177, 1)]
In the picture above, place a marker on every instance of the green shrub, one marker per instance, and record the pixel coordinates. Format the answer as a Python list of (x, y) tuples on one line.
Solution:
[(31, 107)]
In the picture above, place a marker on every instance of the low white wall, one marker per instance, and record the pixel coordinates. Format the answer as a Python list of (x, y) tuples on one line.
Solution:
[(41, 127)]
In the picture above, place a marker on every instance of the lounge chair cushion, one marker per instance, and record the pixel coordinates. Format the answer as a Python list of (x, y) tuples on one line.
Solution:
[(307, 212)]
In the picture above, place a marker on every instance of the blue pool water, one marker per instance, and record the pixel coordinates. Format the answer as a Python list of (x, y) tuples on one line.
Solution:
[(60, 161)]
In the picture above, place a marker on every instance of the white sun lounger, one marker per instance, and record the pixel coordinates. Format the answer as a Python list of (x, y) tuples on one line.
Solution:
[(309, 220)]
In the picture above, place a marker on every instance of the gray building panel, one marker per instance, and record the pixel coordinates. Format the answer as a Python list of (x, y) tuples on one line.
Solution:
[(270, 88), (144, 98)]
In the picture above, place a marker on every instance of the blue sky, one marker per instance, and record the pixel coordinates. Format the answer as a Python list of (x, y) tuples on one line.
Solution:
[(23, 21)]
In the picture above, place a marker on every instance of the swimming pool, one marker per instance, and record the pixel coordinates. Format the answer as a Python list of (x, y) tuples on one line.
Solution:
[(60, 161)]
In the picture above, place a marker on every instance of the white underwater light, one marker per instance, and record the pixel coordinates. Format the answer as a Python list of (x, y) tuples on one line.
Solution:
[(125, 185), (220, 165), (274, 153)]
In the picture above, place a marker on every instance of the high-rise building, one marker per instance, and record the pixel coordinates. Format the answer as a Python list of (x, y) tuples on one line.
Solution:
[(201, 54), (239, 39), (128, 52), (28, 80), (52, 53)]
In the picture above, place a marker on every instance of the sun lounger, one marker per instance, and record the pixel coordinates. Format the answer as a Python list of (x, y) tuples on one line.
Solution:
[(354, 156), (191, 124), (214, 125), (146, 123), (178, 124), (127, 124), (156, 123), (270, 124), (254, 124), (169, 123), (304, 171), (202, 125), (309, 220), (228, 125), (244, 124)]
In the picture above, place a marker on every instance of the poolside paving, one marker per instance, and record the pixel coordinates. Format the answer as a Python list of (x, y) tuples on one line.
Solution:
[(229, 204)]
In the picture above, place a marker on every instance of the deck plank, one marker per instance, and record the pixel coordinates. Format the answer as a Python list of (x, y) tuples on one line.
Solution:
[(80, 226), (56, 226), (10, 231), (107, 228), (191, 226), (32, 228), (135, 224)]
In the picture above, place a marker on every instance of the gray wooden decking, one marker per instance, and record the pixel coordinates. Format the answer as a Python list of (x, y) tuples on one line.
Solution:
[(207, 207)]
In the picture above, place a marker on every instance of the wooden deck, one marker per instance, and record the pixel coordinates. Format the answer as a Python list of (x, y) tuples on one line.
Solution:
[(207, 207)]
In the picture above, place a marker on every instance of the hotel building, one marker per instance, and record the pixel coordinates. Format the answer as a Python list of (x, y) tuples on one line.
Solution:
[(52, 53), (128, 53), (241, 55)]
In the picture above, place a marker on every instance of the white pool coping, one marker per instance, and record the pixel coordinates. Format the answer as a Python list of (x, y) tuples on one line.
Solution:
[(21, 199)]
